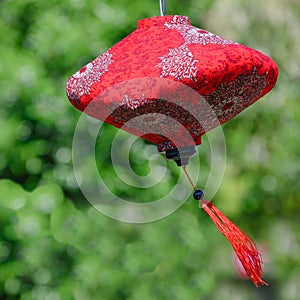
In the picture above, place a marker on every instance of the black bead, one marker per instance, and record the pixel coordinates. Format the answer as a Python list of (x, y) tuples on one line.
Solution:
[(198, 195)]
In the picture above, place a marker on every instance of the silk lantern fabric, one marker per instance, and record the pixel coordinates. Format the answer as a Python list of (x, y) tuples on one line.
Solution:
[(167, 67)]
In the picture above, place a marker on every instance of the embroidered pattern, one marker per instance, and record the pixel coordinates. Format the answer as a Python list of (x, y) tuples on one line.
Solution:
[(81, 82), (178, 20), (179, 63), (194, 35), (229, 99), (133, 103)]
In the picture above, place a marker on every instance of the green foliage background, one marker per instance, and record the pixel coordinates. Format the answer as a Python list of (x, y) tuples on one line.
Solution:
[(54, 245)]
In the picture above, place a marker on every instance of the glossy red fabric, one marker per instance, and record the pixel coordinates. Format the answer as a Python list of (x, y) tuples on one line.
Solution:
[(170, 69)]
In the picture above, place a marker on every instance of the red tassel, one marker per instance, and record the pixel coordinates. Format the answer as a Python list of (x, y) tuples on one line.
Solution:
[(242, 244)]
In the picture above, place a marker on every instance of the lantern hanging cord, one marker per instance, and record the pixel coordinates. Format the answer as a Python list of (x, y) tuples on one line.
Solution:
[(163, 7), (189, 178)]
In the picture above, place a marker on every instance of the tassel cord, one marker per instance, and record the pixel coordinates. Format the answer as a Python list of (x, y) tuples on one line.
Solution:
[(189, 178), (241, 242)]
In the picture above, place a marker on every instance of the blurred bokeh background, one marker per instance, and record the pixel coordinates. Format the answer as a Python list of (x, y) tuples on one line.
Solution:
[(55, 245)]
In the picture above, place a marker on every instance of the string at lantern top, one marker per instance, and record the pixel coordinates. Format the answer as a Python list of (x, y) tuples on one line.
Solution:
[(168, 69)]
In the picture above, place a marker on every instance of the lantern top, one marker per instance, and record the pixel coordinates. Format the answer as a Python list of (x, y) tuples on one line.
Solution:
[(162, 20)]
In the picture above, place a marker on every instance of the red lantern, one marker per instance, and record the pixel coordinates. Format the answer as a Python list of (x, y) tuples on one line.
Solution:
[(169, 68), (145, 73)]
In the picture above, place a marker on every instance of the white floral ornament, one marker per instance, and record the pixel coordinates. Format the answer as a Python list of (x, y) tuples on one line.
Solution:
[(81, 82), (133, 103), (194, 35), (179, 62)]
